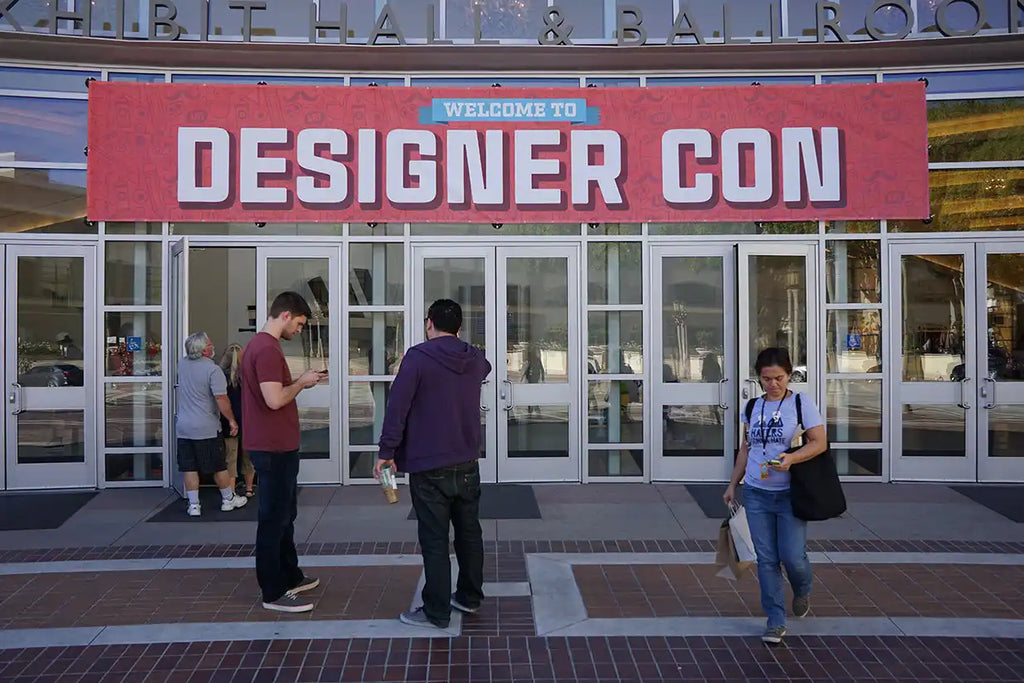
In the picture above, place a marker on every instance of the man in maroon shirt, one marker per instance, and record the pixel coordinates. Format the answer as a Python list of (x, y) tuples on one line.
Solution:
[(271, 438)]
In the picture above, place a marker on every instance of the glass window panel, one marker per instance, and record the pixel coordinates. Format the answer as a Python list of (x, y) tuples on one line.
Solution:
[(615, 82), (1000, 80), (854, 341), (802, 16), (692, 319), (616, 343), (376, 274), (51, 436), (136, 228), (960, 16), (376, 229), (366, 404), (498, 18), (222, 294), (311, 278), (50, 304), (858, 462), (777, 302), (615, 411), (975, 199), (42, 129), (133, 273), (136, 78), (462, 280), (747, 18), (133, 344), (620, 462), (133, 414), (657, 17), (614, 228), (380, 81), (853, 227), (361, 18), (699, 81), (589, 18), (976, 130), (1006, 431), (854, 271), (831, 79), (537, 320), (692, 431), (253, 80), (376, 343), (489, 229), (735, 228), (53, 80), (360, 464), (538, 431), (133, 467), (43, 201), (314, 433), (615, 273), (315, 229), (854, 410), (932, 431), (504, 81), (933, 318), (1004, 296)]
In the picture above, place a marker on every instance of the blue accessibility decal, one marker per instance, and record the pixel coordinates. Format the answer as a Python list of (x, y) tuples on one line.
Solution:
[(448, 110)]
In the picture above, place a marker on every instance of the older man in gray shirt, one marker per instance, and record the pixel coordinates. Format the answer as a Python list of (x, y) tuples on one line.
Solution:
[(202, 399)]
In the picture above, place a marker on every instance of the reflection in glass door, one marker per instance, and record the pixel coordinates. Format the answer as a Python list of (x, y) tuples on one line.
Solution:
[(50, 367), (778, 308), (694, 341), (934, 419), (312, 273), (1000, 361)]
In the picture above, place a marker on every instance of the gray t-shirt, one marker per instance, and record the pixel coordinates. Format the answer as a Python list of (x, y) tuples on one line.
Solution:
[(198, 382), (770, 432)]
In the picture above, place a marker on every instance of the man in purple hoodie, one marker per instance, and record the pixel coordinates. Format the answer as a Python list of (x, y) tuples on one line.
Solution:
[(432, 431)]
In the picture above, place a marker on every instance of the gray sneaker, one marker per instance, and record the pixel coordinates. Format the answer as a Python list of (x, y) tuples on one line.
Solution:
[(801, 605), (289, 602), (417, 617), (773, 634), (308, 583), (465, 609)]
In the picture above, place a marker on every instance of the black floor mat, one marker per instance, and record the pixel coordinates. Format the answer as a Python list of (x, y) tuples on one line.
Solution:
[(209, 498), (503, 501), (709, 498), (30, 511), (1007, 500)]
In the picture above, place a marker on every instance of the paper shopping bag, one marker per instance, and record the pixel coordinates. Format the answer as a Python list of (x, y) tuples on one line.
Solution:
[(726, 557), (741, 538)]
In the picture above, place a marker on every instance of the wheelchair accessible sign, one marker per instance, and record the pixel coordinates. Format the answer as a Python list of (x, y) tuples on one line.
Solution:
[(452, 110)]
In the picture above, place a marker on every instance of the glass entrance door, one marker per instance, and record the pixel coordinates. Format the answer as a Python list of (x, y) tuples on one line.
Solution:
[(1000, 361), (313, 273), (177, 331), (523, 310), (694, 340), (934, 406), (50, 366)]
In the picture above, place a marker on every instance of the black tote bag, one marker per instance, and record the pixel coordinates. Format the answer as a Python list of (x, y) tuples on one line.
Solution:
[(814, 485)]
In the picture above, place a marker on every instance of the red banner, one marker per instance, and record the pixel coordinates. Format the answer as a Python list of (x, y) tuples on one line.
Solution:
[(506, 155)]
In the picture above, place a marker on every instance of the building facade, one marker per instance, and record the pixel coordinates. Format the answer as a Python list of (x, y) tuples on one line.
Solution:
[(622, 352)]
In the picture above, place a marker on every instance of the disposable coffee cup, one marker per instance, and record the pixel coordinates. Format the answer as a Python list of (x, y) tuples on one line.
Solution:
[(389, 484)]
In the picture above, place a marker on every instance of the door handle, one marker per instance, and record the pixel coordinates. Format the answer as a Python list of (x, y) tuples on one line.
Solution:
[(484, 408), (747, 394), (985, 394), (14, 398), (722, 403), (510, 400), (963, 394)]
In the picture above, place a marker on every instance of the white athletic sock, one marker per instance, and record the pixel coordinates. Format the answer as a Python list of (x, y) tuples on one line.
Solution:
[(193, 497), (227, 494)]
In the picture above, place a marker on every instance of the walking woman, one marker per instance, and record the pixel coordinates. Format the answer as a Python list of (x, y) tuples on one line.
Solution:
[(762, 464), (230, 363)]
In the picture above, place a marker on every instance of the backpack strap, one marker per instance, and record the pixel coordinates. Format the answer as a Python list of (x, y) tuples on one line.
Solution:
[(799, 411), (749, 410)]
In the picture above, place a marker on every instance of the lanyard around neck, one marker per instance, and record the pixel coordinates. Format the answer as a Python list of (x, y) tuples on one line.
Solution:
[(764, 442)]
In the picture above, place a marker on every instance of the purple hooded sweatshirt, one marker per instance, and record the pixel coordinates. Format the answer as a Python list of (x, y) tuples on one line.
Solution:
[(433, 414)]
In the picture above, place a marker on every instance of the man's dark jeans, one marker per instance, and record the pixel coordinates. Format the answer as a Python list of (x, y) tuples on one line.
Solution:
[(442, 496), (277, 563)]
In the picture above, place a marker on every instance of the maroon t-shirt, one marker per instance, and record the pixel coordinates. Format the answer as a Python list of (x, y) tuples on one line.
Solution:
[(266, 429)]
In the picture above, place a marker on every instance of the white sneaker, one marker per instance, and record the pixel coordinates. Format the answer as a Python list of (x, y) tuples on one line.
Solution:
[(194, 510), (235, 501)]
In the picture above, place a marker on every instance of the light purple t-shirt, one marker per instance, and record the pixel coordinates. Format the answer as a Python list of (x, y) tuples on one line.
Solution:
[(770, 433)]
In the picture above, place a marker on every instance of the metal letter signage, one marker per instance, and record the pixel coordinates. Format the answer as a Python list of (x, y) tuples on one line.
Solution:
[(176, 152)]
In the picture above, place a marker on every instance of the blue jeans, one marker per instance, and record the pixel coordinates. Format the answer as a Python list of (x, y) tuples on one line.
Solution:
[(779, 538), (277, 562)]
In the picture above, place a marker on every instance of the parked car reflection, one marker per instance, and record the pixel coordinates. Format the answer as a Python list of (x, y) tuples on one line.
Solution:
[(56, 375)]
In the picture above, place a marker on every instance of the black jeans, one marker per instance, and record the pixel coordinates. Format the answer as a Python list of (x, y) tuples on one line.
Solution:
[(277, 563), (442, 496)]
